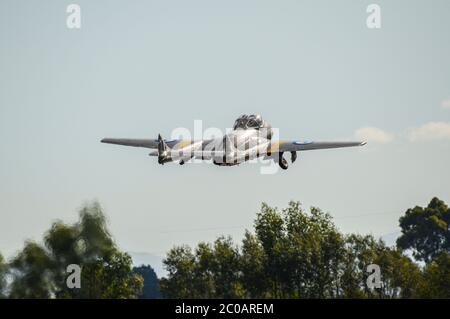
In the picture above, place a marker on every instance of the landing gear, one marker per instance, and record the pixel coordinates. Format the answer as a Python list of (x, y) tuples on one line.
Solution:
[(282, 161), (293, 156)]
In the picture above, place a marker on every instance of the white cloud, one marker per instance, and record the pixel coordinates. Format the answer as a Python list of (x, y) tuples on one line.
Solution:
[(373, 135), (446, 104), (430, 131)]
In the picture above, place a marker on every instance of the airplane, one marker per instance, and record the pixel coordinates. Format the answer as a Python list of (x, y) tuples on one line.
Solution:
[(251, 137)]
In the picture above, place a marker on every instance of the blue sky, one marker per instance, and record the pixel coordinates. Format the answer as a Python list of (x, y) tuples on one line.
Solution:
[(135, 69)]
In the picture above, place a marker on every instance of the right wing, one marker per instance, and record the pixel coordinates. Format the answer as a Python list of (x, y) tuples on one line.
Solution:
[(150, 143), (132, 142), (147, 143)]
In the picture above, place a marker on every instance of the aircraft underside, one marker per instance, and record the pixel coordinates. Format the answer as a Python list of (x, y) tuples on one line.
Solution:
[(251, 138), (221, 154)]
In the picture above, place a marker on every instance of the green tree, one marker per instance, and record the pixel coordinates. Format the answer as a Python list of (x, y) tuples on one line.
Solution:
[(270, 232), (86, 243), (225, 269), (204, 281), (302, 251), (31, 271), (426, 230), (291, 254), (315, 248), (40, 272), (360, 251), (151, 282), (253, 267), (3, 271), (401, 277), (437, 278), (110, 277), (212, 271), (180, 264)]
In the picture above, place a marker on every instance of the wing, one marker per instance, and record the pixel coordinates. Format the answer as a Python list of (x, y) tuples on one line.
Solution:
[(295, 146), (147, 143), (132, 142)]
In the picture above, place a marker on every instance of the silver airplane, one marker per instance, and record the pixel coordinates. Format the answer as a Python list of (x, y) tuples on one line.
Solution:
[(250, 138)]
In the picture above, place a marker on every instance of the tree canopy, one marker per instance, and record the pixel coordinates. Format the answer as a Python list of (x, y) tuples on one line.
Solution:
[(40, 271), (289, 253), (3, 270), (151, 282), (297, 254), (426, 230)]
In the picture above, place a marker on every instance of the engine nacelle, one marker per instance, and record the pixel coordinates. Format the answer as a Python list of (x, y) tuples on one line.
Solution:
[(164, 159), (163, 151)]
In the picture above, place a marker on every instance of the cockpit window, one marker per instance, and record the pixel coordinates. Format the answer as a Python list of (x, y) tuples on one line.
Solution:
[(248, 121), (252, 124)]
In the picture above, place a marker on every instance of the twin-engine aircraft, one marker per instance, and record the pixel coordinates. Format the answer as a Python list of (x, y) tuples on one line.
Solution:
[(251, 137)]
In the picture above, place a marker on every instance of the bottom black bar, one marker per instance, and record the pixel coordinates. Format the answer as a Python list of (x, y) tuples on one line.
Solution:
[(206, 308)]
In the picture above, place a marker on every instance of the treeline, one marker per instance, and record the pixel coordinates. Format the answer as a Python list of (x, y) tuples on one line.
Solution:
[(295, 254), (290, 254), (40, 271)]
